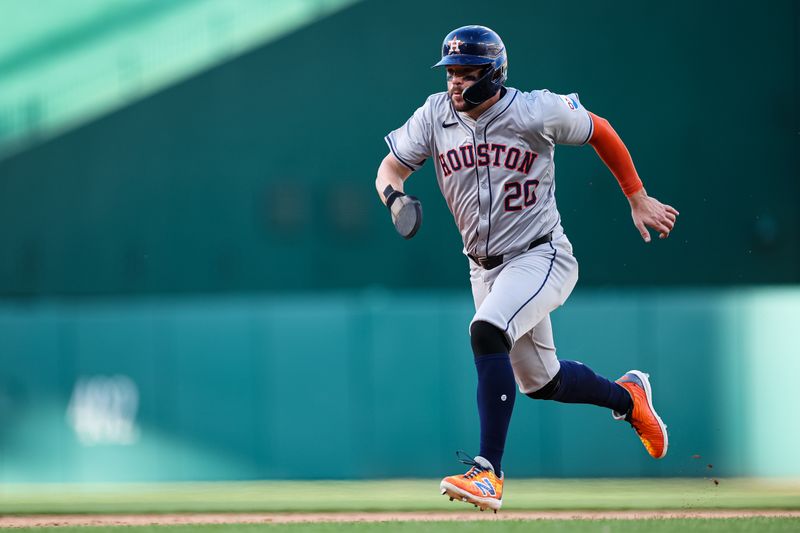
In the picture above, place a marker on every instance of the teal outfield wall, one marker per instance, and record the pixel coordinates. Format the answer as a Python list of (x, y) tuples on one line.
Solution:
[(258, 174), (378, 384)]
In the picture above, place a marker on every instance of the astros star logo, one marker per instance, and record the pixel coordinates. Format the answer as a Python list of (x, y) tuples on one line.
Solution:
[(454, 45)]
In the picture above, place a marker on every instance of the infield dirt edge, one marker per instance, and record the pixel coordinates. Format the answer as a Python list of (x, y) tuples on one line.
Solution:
[(285, 518)]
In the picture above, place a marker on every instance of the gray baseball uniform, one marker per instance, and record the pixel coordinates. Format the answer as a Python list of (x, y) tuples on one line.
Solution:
[(497, 176)]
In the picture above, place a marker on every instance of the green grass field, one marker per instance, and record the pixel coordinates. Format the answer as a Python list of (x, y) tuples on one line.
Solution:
[(399, 495), (751, 525), (416, 496)]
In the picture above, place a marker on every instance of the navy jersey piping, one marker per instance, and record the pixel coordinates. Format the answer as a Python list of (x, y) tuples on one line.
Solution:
[(591, 129), (549, 270), (488, 173), (394, 153), (477, 174)]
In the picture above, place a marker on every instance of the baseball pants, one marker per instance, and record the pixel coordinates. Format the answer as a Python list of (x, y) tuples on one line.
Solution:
[(518, 296)]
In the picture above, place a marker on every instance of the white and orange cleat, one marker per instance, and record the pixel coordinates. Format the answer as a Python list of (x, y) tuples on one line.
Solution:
[(643, 417), (480, 486)]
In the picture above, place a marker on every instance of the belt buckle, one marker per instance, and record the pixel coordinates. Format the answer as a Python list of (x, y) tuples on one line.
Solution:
[(492, 262), (487, 263)]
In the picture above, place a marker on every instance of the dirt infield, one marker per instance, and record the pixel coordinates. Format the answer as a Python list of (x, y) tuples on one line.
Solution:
[(284, 518)]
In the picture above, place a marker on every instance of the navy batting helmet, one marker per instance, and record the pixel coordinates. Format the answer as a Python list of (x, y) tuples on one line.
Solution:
[(477, 46)]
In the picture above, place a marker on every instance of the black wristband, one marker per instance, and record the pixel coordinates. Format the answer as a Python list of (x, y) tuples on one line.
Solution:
[(391, 195)]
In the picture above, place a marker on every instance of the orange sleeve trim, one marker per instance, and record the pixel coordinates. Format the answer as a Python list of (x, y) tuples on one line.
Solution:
[(615, 155)]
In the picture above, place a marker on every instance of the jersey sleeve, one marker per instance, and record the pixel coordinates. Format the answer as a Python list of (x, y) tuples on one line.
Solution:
[(565, 120), (411, 143)]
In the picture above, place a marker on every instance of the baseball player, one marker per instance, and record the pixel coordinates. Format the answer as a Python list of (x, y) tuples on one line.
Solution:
[(492, 147)]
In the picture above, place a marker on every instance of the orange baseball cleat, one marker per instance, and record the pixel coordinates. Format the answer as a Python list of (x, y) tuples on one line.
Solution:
[(642, 416), (480, 486)]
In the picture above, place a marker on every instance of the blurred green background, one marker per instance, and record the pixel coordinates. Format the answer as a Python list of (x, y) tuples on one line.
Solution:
[(197, 281)]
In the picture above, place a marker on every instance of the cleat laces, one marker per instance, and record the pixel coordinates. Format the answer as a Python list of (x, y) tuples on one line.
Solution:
[(476, 469)]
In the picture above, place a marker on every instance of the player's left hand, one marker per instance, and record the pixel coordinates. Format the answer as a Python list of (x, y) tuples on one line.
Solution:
[(406, 212), (647, 212)]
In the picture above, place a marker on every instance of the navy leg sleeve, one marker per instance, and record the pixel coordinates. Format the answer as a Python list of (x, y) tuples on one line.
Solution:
[(577, 383)]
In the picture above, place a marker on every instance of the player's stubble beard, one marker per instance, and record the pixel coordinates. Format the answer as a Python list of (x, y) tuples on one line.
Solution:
[(464, 106)]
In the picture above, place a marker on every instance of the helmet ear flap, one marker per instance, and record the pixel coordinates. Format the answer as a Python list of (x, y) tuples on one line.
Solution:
[(501, 73), (484, 88)]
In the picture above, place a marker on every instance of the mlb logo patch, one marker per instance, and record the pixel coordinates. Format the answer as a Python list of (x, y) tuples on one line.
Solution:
[(572, 104)]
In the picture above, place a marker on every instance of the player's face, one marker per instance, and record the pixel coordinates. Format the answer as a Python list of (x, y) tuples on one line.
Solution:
[(458, 79)]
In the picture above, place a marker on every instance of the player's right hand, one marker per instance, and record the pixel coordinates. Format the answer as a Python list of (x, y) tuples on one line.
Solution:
[(406, 213)]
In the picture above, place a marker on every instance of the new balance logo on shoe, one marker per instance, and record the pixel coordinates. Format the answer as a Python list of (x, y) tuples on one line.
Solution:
[(485, 486)]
